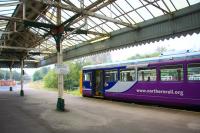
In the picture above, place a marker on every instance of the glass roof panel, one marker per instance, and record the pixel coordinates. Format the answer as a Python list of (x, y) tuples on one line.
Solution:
[(192, 2), (126, 11), (135, 3), (114, 9), (155, 11), (162, 5), (7, 9), (75, 2), (144, 13), (170, 5), (105, 26), (114, 26), (51, 15), (122, 4), (179, 4), (135, 16)]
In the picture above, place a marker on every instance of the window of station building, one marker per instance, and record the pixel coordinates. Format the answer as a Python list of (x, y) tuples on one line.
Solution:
[(87, 76), (171, 73), (127, 75), (146, 74), (111, 75), (194, 71)]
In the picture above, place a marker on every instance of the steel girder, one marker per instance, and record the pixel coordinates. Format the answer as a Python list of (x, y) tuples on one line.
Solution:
[(7, 63), (184, 21)]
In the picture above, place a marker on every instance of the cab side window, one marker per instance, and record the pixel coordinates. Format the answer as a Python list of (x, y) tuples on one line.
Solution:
[(87, 76)]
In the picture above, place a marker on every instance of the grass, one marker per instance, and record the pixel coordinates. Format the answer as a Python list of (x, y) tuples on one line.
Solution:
[(40, 85), (74, 92)]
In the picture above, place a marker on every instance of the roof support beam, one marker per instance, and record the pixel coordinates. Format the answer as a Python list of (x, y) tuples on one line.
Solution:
[(102, 5), (94, 4), (10, 18), (99, 16), (69, 2), (38, 24), (79, 31), (152, 3), (28, 63), (91, 8), (183, 22), (87, 13), (10, 4), (17, 48)]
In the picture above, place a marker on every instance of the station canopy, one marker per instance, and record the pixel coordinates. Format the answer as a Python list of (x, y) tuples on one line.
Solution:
[(85, 22)]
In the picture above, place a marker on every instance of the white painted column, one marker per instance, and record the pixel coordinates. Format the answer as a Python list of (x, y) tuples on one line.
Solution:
[(60, 58), (61, 101), (11, 76), (24, 10), (22, 80), (60, 76)]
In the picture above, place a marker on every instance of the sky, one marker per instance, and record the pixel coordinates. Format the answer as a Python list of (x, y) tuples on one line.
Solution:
[(190, 42)]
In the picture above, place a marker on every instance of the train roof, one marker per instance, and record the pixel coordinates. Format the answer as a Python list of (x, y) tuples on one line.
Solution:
[(145, 61)]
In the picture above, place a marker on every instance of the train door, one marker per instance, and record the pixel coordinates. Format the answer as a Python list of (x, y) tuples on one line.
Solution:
[(87, 81), (99, 83)]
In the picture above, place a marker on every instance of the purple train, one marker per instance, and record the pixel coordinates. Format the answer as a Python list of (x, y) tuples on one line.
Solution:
[(167, 80)]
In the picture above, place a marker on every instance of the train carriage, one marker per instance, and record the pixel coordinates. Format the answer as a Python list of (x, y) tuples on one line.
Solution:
[(167, 80)]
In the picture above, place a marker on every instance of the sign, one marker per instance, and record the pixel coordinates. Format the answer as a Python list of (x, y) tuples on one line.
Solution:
[(61, 69)]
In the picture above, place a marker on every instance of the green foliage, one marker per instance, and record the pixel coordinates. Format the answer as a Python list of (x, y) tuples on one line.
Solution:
[(38, 75), (50, 79), (16, 76), (71, 80), (159, 51), (5, 74), (74, 92), (138, 56)]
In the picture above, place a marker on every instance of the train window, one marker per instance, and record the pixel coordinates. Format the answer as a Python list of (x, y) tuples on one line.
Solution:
[(194, 71), (127, 75), (171, 73), (87, 77), (111, 76), (146, 74)]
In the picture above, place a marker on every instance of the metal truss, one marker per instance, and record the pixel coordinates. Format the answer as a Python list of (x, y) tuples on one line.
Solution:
[(28, 24)]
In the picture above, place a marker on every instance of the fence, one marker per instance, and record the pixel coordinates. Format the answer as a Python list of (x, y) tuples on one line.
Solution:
[(7, 83)]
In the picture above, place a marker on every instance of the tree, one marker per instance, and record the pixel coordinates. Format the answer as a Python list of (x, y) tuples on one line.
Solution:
[(38, 75), (99, 58), (5, 74), (16, 75), (71, 80), (50, 79), (158, 52), (161, 49)]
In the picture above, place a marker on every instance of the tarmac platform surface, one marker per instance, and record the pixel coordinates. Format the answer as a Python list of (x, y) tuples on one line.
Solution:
[(36, 113)]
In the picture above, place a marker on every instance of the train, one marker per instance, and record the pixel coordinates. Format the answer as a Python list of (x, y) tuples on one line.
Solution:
[(172, 80)]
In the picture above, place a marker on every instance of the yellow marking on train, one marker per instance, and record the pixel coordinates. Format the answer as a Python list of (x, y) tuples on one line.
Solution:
[(81, 83)]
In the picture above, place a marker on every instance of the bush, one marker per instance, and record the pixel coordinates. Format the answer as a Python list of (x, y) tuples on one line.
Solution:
[(50, 79), (39, 75)]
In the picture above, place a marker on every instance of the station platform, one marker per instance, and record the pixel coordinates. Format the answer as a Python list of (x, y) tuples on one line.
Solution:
[(36, 113)]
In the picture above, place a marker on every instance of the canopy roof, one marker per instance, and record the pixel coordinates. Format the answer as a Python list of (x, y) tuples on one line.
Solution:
[(95, 21)]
